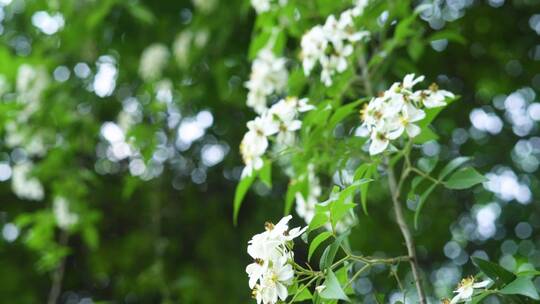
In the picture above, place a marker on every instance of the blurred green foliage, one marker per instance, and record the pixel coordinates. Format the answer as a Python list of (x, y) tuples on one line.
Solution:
[(169, 237)]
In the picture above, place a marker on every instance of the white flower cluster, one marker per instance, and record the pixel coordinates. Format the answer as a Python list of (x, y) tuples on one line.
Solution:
[(280, 119), (263, 6), (63, 216), (331, 44), (268, 76), (153, 61), (31, 83), (271, 272), (25, 186), (396, 110)]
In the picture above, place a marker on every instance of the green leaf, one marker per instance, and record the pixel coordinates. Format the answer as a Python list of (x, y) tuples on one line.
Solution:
[(258, 43), (330, 252), (479, 297), (453, 165), (449, 35), (365, 171), (427, 134), (333, 290), (303, 295), (521, 286), (499, 275), (464, 179), (241, 190), (141, 13), (317, 221), (317, 241), (265, 174), (91, 237), (528, 273), (427, 164), (342, 112)]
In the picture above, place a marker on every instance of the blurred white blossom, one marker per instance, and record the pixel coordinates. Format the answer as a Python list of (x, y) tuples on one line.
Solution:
[(24, 185), (262, 6), (268, 76), (331, 44), (153, 60), (63, 216)]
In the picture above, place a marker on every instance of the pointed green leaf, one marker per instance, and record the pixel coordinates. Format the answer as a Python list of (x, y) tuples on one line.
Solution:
[(241, 190), (303, 295), (453, 165), (499, 275), (265, 174), (464, 179), (333, 290), (521, 286), (318, 221), (427, 164), (427, 134), (330, 252), (317, 241)]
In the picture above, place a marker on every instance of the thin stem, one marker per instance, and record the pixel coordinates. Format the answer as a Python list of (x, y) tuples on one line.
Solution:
[(395, 275), (58, 274), (370, 261), (405, 231), (359, 272), (424, 175)]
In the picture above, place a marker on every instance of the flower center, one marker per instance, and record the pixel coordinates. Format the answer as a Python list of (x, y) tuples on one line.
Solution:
[(467, 282), (269, 226)]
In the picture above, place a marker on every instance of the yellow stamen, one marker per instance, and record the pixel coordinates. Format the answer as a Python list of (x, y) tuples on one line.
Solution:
[(269, 226)]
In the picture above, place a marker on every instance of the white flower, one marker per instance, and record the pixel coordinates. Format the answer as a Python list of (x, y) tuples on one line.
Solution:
[(280, 119), (24, 186), (273, 284), (395, 111), (466, 289), (331, 44), (409, 81), (255, 142), (313, 45), (270, 244), (153, 61), (268, 76), (271, 272), (63, 216), (436, 98), (262, 6), (360, 6)]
